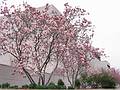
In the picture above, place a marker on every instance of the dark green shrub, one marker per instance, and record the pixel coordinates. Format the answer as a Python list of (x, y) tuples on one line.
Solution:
[(102, 80), (77, 83), (5, 85), (61, 87), (32, 86), (60, 82), (94, 81), (0, 86), (85, 80), (107, 81), (25, 86), (52, 86), (41, 87), (70, 87)]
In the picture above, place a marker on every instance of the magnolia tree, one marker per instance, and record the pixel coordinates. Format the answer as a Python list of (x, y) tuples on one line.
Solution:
[(75, 61), (25, 36), (76, 50), (16, 27), (38, 40)]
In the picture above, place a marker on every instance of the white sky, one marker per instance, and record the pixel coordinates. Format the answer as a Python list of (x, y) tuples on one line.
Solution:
[(105, 15)]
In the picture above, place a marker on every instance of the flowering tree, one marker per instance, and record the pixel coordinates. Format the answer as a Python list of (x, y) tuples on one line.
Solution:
[(16, 27), (76, 48), (75, 61), (37, 39), (57, 37)]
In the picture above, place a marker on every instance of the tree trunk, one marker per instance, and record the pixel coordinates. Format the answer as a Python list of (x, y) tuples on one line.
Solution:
[(29, 76)]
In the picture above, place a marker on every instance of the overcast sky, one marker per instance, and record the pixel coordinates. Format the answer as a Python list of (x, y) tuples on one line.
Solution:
[(105, 15)]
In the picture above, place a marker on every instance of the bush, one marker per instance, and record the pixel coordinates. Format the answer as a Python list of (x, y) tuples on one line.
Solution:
[(5, 85), (0, 86), (32, 86), (25, 86), (107, 81), (70, 87), (60, 82), (41, 87), (60, 87), (77, 83), (102, 80), (52, 86), (94, 81)]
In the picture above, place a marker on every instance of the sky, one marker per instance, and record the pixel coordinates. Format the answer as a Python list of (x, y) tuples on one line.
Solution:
[(105, 15)]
